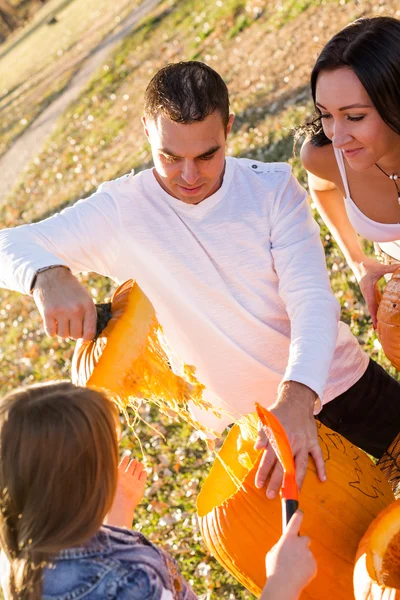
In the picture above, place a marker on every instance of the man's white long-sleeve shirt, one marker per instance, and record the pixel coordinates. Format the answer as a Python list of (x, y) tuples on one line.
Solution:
[(238, 282)]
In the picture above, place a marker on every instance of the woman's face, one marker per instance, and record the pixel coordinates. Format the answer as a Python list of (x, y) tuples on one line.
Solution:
[(352, 123)]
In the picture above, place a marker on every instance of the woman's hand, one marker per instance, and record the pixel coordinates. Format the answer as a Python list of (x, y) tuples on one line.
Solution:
[(368, 272)]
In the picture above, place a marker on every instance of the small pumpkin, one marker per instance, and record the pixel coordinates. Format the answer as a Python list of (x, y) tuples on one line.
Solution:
[(377, 567), (239, 524), (129, 358), (388, 318)]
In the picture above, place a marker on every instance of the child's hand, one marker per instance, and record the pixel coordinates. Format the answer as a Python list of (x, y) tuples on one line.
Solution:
[(131, 480), (290, 564), (130, 490)]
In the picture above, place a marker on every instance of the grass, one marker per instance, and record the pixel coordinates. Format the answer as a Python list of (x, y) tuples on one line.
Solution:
[(39, 61), (257, 48), (289, 10)]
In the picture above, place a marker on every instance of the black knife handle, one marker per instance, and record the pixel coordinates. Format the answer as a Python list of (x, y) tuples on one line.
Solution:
[(289, 507)]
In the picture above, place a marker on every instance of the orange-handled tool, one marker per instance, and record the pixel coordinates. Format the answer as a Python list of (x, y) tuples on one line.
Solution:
[(280, 443)]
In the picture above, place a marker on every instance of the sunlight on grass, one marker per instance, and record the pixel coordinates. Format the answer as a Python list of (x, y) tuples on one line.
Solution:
[(47, 43), (40, 61)]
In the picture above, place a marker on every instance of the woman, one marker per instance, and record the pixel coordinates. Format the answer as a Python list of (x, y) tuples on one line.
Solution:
[(353, 152)]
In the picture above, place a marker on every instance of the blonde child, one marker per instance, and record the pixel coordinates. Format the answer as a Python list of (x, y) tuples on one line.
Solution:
[(59, 484), (67, 509)]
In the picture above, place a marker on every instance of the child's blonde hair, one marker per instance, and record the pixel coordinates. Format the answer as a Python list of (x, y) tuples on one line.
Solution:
[(58, 475)]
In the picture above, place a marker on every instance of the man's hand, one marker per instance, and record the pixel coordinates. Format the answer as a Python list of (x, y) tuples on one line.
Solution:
[(64, 304), (294, 409)]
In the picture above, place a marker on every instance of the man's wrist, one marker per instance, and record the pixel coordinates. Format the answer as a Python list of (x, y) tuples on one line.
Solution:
[(296, 392), (42, 270)]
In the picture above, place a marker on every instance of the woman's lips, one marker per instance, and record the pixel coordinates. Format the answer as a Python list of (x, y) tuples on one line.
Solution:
[(352, 153)]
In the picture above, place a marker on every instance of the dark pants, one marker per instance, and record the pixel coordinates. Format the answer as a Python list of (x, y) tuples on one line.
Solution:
[(368, 414)]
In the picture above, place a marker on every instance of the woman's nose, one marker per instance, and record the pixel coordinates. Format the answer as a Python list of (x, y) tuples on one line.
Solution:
[(340, 135)]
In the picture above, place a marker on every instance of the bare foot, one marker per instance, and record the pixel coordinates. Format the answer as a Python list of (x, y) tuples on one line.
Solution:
[(130, 490)]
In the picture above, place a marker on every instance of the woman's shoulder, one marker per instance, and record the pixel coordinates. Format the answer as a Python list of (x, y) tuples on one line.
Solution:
[(319, 160)]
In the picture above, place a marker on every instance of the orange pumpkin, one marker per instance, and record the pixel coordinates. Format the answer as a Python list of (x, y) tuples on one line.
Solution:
[(239, 524), (377, 568), (389, 320), (129, 358)]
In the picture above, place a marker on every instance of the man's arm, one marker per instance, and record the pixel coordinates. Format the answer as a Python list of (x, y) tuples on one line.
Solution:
[(304, 287), (83, 238), (314, 313)]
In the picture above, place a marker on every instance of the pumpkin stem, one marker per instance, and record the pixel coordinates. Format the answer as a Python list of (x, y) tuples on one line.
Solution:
[(104, 314)]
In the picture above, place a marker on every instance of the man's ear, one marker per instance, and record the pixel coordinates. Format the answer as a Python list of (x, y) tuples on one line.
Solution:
[(230, 123), (146, 130)]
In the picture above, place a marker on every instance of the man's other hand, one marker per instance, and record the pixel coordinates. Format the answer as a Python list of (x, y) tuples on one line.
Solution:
[(294, 409), (64, 304)]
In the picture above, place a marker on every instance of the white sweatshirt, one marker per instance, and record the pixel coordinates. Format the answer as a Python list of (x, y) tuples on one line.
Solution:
[(238, 282)]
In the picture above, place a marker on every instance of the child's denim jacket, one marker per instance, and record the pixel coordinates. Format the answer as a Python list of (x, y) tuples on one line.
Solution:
[(115, 564)]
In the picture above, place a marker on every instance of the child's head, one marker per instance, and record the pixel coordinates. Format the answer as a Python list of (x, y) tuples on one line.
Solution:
[(58, 473)]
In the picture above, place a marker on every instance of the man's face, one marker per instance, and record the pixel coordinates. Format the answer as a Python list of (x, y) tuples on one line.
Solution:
[(189, 159)]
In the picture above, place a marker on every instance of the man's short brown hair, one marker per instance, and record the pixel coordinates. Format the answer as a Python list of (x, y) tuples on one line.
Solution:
[(186, 92)]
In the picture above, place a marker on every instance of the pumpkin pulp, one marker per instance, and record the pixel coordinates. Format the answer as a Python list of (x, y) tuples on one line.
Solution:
[(391, 563), (384, 549), (377, 567), (130, 358)]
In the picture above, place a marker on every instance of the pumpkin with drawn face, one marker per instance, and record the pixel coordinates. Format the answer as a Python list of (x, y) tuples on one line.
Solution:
[(239, 524), (389, 320)]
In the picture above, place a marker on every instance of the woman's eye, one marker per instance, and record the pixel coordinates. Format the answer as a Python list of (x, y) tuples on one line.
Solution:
[(325, 116), (355, 118)]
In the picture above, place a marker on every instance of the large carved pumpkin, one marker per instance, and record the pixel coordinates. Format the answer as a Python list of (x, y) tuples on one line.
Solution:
[(129, 357), (239, 524), (389, 320), (377, 568)]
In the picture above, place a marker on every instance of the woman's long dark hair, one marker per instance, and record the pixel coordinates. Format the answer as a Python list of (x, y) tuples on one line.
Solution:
[(371, 48)]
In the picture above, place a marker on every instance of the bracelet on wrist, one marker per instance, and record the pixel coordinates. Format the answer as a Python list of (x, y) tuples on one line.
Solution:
[(41, 271)]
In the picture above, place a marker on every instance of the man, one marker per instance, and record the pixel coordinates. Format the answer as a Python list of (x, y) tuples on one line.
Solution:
[(227, 252)]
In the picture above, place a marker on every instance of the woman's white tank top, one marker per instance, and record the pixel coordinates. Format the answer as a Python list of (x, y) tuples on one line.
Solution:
[(387, 235)]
